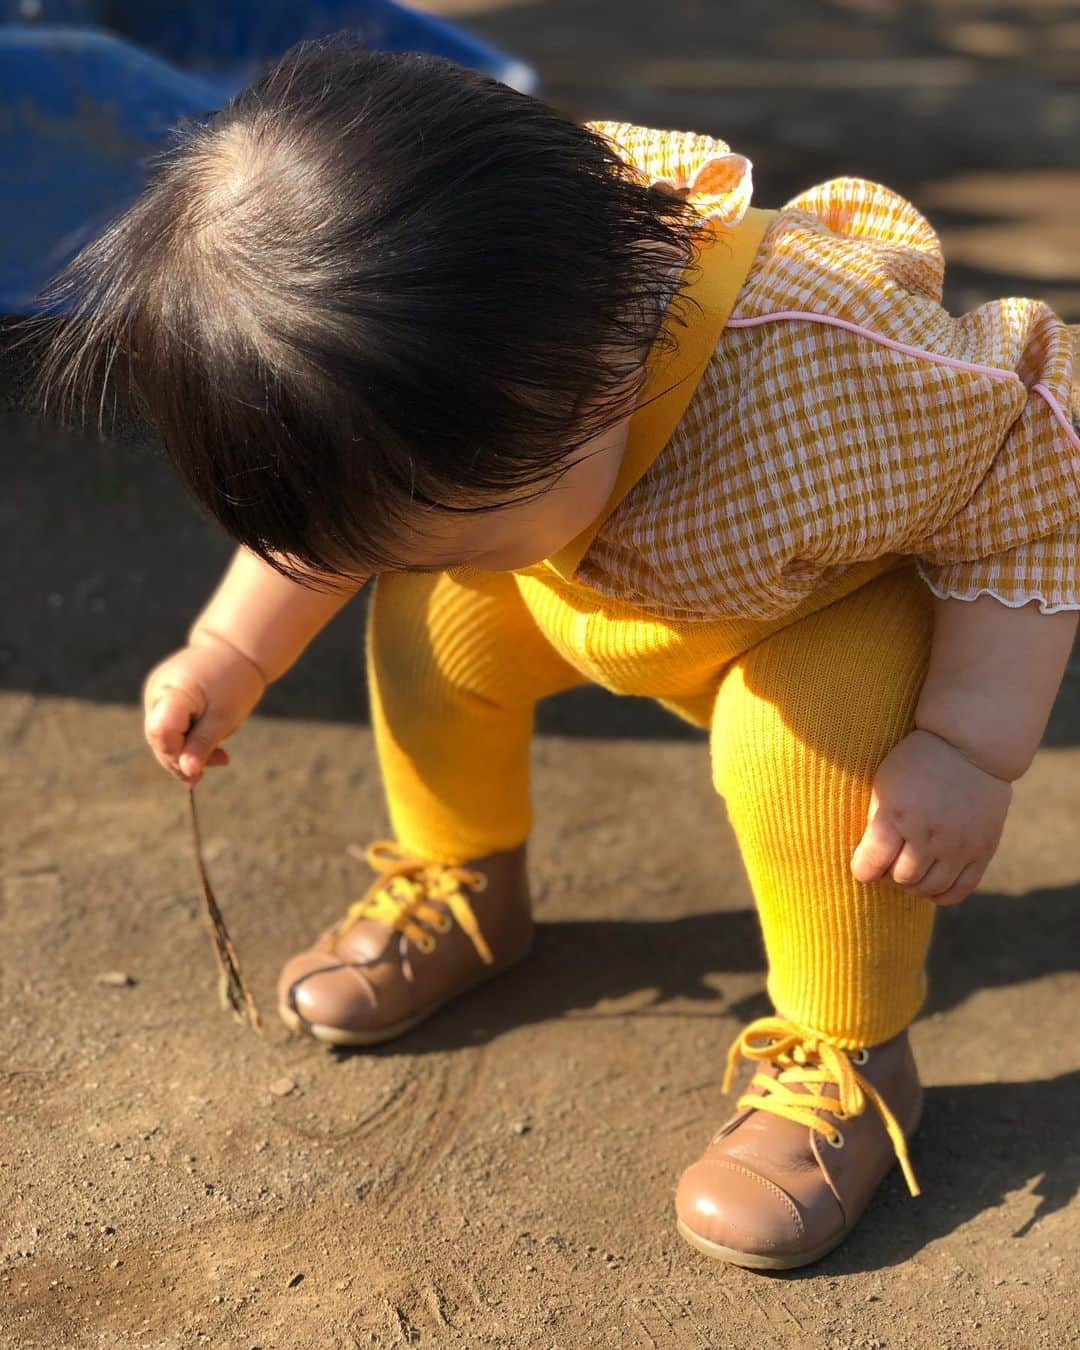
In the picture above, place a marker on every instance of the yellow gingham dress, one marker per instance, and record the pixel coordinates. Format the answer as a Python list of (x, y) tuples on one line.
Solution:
[(846, 415)]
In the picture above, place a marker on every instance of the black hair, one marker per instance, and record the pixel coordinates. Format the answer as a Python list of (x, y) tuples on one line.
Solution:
[(370, 280)]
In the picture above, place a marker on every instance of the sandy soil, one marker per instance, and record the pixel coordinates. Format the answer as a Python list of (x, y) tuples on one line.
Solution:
[(503, 1176)]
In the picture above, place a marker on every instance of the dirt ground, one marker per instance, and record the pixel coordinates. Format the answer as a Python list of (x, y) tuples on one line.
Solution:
[(503, 1176)]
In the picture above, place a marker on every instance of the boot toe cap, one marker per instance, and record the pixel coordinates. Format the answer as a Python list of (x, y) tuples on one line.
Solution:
[(733, 1207), (329, 993)]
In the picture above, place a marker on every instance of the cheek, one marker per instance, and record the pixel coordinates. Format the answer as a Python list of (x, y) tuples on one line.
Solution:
[(501, 539), (520, 541), (508, 529)]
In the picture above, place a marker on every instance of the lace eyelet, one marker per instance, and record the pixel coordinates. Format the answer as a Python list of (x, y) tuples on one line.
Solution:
[(860, 1056), (426, 944), (837, 1142), (443, 925)]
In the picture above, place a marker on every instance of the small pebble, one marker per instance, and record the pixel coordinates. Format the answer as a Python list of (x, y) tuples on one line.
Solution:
[(296, 1279), (117, 1264), (522, 1127), (281, 1087), (115, 979)]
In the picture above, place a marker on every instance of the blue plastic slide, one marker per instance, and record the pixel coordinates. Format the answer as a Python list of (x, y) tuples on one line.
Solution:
[(89, 88)]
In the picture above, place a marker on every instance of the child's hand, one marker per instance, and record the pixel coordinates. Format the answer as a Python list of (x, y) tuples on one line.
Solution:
[(935, 820), (193, 700)]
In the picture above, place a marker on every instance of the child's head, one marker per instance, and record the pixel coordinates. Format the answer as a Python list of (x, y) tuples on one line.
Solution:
[(373, 296)]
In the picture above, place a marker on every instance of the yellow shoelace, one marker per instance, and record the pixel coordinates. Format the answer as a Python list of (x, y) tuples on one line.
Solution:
[(409, 893), (808, 1060)]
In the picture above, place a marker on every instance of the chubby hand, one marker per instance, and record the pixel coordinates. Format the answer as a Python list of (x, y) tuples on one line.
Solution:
[(193, 700), (935, 820)]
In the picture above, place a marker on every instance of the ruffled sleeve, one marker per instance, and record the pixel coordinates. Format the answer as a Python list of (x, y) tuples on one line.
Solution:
[(718, 182), (846, 416), (1017, 536), (895, 239), (955, 432), (1045, 570)]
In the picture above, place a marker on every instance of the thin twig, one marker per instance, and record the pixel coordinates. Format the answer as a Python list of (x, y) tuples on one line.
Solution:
[(235, 994)]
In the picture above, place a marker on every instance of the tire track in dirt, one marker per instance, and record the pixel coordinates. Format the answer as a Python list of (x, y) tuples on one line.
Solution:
[(442, 1106), (395, 1098), (425, 1307)]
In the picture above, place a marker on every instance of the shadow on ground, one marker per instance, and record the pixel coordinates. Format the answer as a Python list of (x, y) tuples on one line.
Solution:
[(966, 1154), (967, 1159), (111, 562), (988, 943)]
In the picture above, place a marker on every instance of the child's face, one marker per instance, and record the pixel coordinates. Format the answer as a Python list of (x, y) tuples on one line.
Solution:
[(521, 532)]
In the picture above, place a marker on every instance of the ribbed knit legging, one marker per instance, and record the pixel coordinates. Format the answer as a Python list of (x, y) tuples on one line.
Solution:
[(801, 709)]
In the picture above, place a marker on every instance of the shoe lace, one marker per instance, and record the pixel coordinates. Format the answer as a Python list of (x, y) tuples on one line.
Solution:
[(809, 1061), (410, 893)]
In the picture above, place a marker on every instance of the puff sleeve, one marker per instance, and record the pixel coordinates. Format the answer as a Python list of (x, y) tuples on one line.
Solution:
[(719, 181), (1017, 537), (946, 438)]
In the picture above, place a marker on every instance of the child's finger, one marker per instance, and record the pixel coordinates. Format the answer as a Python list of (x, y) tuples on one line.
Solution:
[(939, 877), (875, 851), (218, 758), (168, 719), (912, 865), (962, 887), (199, 747)]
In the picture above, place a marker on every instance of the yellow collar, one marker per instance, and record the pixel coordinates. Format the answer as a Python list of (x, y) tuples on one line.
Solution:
[(724, 261)]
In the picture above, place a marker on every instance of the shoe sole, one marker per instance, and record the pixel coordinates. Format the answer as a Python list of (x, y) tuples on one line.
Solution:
[(754, 1260), (376, 1035), (759, 1261)]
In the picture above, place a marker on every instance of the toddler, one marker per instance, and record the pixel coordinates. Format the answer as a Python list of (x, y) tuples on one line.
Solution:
[(590, 415)]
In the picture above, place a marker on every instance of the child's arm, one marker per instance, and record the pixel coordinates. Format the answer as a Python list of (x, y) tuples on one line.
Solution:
[(939, 798), (993, 676), (265, 616), (254, 627)]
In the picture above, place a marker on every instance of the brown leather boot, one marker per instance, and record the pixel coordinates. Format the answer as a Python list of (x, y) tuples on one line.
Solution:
[(423, 933), (785, 1180)]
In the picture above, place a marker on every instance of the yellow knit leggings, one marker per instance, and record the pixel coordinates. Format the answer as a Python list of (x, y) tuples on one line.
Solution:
[(801, 710)]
